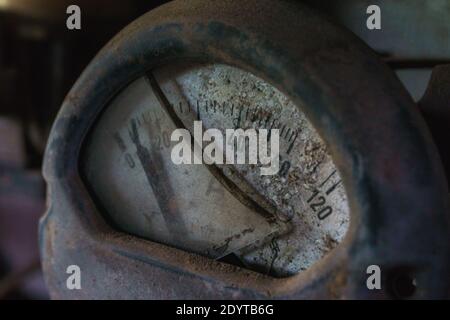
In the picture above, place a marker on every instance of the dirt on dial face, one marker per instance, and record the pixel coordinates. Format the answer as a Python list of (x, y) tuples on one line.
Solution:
[(278, 225)]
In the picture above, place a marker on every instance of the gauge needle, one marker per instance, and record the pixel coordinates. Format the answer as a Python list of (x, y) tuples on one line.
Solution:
[(261, 206)]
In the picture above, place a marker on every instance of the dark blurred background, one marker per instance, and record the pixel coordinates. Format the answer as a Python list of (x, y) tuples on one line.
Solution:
[(40, 60)]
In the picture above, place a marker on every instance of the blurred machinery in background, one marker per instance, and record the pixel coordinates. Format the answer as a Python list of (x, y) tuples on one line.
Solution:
[(40, 60)]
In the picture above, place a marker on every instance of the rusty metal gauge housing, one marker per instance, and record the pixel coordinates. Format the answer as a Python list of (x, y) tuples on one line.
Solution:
[(380, 166)]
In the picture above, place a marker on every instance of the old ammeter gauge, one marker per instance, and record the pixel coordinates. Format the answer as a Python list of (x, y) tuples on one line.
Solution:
[(357, 181)]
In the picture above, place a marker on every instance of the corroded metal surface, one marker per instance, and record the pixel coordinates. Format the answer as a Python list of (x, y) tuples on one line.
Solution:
[(378, 141)]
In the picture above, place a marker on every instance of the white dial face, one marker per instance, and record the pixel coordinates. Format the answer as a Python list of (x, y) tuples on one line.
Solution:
[(276, 224)]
